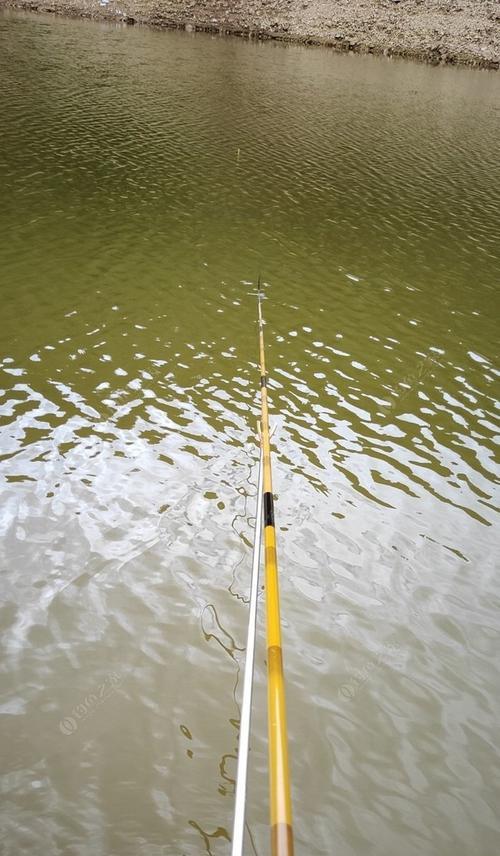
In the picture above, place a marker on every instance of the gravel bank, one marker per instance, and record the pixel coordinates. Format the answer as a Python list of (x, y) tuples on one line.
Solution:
[(458, 31)]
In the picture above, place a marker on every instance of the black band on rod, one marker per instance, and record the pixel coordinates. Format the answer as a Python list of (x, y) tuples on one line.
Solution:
[(268, 509), (263, 381)]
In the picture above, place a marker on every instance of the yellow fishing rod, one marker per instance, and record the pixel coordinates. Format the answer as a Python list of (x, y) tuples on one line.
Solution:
[(279, 776)]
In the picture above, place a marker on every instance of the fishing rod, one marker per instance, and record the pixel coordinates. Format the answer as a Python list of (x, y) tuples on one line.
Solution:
[(246, 704), (279, 777)]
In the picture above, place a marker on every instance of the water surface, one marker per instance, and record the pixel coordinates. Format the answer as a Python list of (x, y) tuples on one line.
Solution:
[(146, 180)]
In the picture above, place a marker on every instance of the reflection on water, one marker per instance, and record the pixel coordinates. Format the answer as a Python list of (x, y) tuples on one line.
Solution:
[(146, 179)]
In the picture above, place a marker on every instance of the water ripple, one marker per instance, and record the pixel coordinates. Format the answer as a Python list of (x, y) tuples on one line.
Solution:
[(147, 179)]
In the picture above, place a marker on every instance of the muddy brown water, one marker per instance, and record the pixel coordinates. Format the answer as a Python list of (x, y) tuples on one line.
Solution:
[(146, 180)]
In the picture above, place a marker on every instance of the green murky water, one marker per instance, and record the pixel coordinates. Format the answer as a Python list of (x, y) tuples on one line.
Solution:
[(146, 179)]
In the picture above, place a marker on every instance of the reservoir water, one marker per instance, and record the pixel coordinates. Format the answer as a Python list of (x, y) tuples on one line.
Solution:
[(146, 179)]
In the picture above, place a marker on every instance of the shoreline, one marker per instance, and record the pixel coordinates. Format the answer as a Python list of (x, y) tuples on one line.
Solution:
[(432, 31)]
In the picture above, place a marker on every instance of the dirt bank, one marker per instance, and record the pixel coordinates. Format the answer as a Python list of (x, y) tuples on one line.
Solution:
[(437, 31)]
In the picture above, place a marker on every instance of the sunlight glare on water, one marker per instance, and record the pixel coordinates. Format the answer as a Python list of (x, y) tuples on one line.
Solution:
[(147, 178)]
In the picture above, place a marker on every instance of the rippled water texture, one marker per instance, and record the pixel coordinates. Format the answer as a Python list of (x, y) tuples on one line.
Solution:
[(146, 180)]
